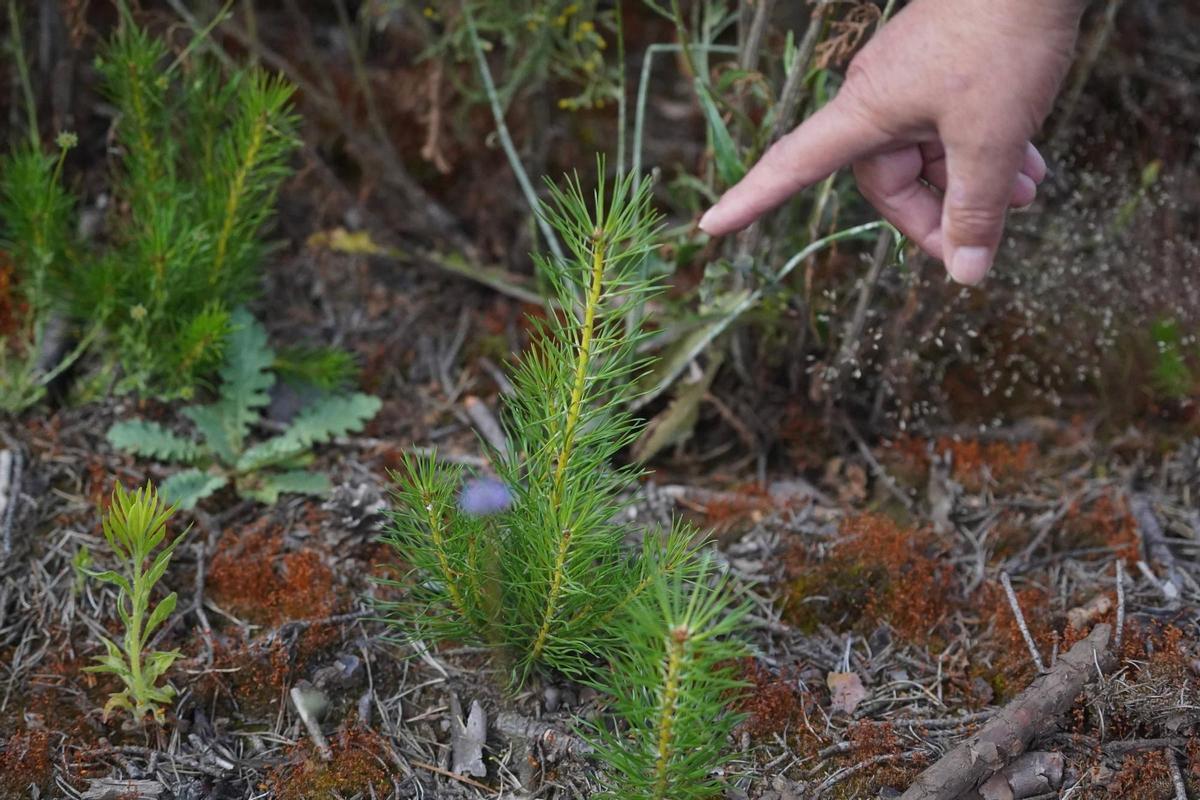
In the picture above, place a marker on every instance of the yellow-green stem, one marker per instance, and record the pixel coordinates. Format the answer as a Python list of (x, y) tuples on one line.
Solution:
[(448, 575), (235, 195), (574, 412), (669, 710)]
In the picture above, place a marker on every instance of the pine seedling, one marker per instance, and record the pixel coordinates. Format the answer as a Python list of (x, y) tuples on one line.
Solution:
[(36, 214), (134, 526), (546, 578), (222, 455), (671, 684), (202, 158)]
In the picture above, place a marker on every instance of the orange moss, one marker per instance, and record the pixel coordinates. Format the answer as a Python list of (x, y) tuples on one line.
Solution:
[(741, 504), (805, 435), (251, 577), (360, 766), (1143, 776), (877, 572), (772, 703), (250, 676), (973, 464), (973, 461), (1105, 522), (870, 740), (25, 762)]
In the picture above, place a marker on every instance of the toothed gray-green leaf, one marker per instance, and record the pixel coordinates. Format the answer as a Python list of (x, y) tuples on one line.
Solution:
[(186, 489), (151, 440)]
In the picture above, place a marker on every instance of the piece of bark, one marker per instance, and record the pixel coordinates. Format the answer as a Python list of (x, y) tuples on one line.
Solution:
[(467, 739), (115, 789), (1030, 775), (1032, 713)]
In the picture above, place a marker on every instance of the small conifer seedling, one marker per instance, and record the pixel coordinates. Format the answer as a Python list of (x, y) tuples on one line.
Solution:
[(671, 684), (536, 564), (134, 526), (36, 220), (202, 156), (223, 455)]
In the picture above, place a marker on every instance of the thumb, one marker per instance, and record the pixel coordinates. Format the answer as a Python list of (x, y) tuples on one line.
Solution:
[(980, 181)]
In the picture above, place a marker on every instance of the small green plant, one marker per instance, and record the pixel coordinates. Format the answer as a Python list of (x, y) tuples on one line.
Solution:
[(545, 577), (1171, 376), (672, 683), (36, 214), (222, 455), (134, 526), (202, 157)]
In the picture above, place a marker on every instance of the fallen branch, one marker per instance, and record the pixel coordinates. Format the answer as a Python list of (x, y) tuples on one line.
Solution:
[(1034, 712)]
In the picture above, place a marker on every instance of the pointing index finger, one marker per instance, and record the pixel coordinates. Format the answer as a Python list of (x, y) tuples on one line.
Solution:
[(830, 139)]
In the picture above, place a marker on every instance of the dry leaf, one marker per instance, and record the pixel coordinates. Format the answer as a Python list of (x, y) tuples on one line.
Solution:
[(847, 690)]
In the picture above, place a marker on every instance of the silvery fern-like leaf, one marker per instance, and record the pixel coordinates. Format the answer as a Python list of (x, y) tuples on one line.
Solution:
[(267, 487), (246, 375), (328, 417), (151, 440), (212, 421), (185, 489), (335, 415)]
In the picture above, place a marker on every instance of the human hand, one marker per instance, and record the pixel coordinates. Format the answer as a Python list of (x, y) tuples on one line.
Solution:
[(935, 116)]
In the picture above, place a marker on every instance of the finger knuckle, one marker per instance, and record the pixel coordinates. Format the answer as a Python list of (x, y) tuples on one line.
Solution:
[(971, 220)]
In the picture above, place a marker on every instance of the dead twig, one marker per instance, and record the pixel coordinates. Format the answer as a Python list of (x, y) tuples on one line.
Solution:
[(10, 496), (1032, 713), (1176, 774), (1119, 635), (1025, 634)]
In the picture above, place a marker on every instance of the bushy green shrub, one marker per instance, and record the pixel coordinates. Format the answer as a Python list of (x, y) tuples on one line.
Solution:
[(36, 215)]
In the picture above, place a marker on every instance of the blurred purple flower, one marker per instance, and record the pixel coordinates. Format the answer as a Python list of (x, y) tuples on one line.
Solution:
[(483, 496)]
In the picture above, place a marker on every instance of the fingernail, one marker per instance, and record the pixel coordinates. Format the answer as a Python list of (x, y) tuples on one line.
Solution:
[(970, 264), (706, 219)]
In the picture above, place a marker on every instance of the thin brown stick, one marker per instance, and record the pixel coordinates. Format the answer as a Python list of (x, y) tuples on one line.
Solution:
[(452, 776), (1119, 635)]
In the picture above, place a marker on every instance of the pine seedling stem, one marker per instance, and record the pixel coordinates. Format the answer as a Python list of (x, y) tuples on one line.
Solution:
[(668, 709), (582, 366), (234, 199)]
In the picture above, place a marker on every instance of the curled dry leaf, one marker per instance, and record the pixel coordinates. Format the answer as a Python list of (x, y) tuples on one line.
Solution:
[(847, 690)]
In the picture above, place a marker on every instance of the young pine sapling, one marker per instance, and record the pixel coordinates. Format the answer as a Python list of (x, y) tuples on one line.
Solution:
[(545, 578), (134, 526), (672, 682), (222, 455), (202, 157), (36, 228)]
